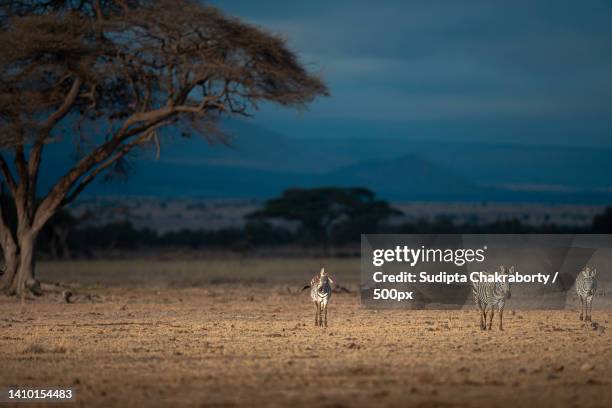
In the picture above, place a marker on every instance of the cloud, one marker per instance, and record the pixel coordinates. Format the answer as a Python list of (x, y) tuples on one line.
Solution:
[(431, 59)]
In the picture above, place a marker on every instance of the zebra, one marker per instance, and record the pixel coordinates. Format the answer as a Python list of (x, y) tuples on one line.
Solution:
[(586, 286), (320, 292), (489, 295)]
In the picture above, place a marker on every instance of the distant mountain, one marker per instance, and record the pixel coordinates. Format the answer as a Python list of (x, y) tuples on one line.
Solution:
[(247, 145), (488, 164), (408, 177), (506, 166), (259, 163)]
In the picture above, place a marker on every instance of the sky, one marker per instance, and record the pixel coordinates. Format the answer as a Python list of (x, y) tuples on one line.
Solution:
[(533, 72)]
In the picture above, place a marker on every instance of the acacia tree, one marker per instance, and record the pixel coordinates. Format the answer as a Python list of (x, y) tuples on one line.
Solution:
[(320, 209), (110, 75)]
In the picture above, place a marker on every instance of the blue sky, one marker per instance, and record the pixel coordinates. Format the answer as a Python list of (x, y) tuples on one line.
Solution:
[(522, 72)]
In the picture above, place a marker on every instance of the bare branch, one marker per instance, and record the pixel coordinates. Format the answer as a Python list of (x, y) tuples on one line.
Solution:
[(109, 162), (60, 190), (64, 107), (6, 237), (8, 176), (47, 125), (137, 66)]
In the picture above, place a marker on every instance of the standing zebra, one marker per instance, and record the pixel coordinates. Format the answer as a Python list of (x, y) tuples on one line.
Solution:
[(586, 286), (320, 292), (489, 295)]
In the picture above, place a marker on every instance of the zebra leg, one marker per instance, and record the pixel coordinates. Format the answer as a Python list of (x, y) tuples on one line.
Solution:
[(484, 318), (317, 314), (491, 320), (589, 308), (501, 318), (321, 314), (480, 312), (581, 307), (326, 315)]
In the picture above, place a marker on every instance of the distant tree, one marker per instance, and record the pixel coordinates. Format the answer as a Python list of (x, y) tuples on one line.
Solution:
[(114, 235), (109, 75), (261, 233), (319, 209)]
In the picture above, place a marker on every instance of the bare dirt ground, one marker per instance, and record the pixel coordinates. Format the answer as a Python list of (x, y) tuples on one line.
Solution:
[(251, 341)]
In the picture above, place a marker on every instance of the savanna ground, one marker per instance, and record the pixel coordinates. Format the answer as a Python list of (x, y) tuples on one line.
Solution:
[(224, 333)]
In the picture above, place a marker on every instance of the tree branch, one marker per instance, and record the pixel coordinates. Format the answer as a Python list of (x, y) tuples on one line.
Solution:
[(61, 189), (21, 192), (109, 162), (64, 108), (20, 161), (36, 153), (6, 236), (8, 176)]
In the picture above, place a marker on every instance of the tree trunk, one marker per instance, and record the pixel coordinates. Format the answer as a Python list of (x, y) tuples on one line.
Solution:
[(11, 263), (24, 282)]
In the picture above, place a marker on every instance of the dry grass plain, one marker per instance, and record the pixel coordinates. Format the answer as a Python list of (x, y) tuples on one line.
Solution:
[(224, 333)]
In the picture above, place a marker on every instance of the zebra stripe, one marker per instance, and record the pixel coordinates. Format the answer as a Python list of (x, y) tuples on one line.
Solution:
[(488, 295), (320, 292), (586, 287)]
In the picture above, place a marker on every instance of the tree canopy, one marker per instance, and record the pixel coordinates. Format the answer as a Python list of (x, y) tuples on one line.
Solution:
[(110, 75), (320, 209)]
